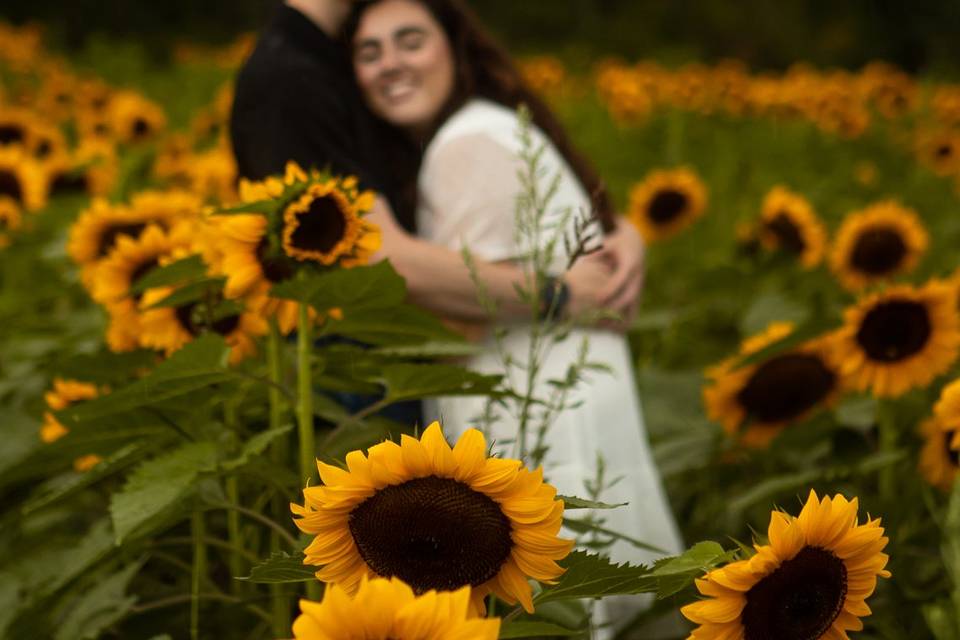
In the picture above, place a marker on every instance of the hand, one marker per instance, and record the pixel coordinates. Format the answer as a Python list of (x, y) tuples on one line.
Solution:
[(625, 251), (586, 281)]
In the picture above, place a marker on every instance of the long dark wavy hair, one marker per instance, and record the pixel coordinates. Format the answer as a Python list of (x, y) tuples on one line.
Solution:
[(484, 70)]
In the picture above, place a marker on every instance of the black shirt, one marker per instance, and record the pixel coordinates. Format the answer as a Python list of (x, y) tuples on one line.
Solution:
[(296, 99)]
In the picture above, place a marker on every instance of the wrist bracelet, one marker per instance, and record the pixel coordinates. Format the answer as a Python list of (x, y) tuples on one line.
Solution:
[(554, 297)]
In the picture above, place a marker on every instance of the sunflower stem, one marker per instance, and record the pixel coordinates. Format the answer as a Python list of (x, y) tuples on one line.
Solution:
[(280, 609), (888, 439), (308, 446), (234, 535), (199, 570)]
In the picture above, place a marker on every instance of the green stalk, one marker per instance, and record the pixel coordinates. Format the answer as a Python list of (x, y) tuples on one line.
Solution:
[(235, 561), (888, 438), (199, 571), (280, 609), (308, 445)]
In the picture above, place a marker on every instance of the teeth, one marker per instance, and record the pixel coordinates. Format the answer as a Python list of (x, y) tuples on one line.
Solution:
[(398, 90)]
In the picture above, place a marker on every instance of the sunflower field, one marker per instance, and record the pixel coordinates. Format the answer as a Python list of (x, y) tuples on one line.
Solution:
[(175, 344)]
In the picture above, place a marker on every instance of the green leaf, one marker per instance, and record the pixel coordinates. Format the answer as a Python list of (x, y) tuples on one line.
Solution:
[(261, 207), (858, 411), (157, 485), (106, 367), (191, 293), (413, 381), (105, 604), (571, 502), (280, 568), (588, 526), (524, 629), (677, 573), (377, 286), (61, 487), (594, 576), (176, 273), (772, 307), (429, 350), (9, 600), (399, 326), (198, 365), (255, 446)]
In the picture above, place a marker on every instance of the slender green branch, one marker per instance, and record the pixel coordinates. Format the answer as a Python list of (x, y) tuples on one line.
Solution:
[(210, 542), (280, 610), (174, 601), (250, 513), (199, 571), (308, 447)]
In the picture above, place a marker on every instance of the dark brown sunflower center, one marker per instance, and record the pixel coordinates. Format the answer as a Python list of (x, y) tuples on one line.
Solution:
[(44, 148), (878, 251), (895, 330), (187, 316), (798, 601), (944, 151), (321, 227), (787, 234), (952, 454), (141, 271), (785, 387), (667, 205), (69, 182), (10, 185), (11, 134), (141, 128), (433, 533), (276, 268), (110, 235)]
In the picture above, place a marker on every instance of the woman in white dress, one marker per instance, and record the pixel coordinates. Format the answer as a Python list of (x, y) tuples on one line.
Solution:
[(429, 72)]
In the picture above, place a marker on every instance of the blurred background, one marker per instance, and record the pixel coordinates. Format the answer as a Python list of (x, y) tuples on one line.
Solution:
[(916, 36)]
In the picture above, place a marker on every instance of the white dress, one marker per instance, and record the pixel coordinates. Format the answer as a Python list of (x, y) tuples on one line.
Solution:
[(468, 187)]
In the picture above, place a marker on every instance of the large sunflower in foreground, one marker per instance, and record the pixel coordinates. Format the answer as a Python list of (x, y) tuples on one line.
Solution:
[(387, 609), (811, 581), (435, 517), (789, 224), (169, 329), (64, 394), (325, 225), (774, 393), (898, 339), (667, 202), (876, 244)]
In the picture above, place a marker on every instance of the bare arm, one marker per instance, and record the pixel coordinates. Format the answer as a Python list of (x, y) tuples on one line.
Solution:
[(328, 15), (439, 280)]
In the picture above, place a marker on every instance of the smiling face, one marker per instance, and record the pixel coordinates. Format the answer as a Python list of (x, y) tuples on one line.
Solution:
[(404, 64)]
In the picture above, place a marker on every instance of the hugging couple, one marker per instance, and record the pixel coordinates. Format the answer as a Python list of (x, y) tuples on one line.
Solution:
[(420, 103)]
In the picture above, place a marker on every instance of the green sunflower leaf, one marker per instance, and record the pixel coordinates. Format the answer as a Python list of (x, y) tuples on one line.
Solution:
[(594, 576), (255, 446), (398, 326), (524, 629), (262, 207), (677, 573), (198, 365), (192, 292), (176, 273), (97, 609), (377, 286), (280, 568), (571, 502), (157, 485), (413, 381)]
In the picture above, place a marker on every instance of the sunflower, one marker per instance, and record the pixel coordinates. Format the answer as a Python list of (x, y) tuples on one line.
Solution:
[(899, 339), (939, 462), (774, 393), (325, 226), (940, 151), (168, 329), (95, 233), (90, 169), (133, 118), (435, 517), (790, 225), (883, 240), (130, 260), (811, 581), (667, 202), (10, 219), (384, 609), (64, 394), (22, 179)]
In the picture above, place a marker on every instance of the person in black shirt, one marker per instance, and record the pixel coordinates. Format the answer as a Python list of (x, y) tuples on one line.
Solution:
[(296, 100)]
